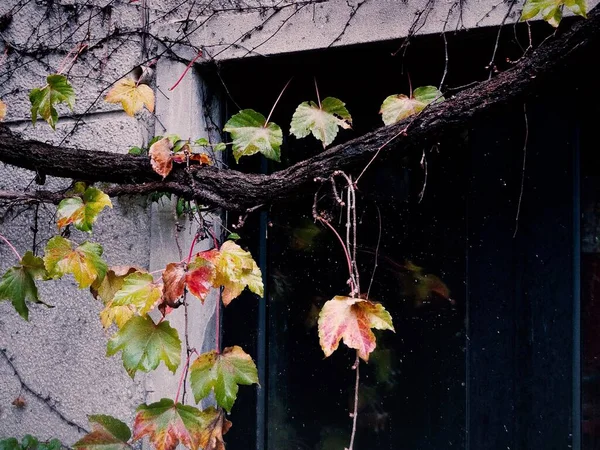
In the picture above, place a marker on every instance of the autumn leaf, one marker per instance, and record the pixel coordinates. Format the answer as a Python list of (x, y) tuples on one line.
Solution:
[(107, 433), (351, 319), (84, 262), (222, 373), (252, 134), (131, 95), (144, 344), (398, 107), (201, 274), (161, 157), (174, 282), (235, 270), (82, 212), (169, 424), (215, 427), (322, 121), (138, 290), (117, 314), (18, 283), (2, 110), (43, 100)]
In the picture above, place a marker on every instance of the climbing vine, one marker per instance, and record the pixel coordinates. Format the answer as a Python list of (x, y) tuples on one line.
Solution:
[(138, 303)]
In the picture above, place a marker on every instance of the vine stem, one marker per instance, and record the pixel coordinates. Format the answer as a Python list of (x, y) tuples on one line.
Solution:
[(318, 96), (14, 250), (348, 260), (355, 413), (184, 373), (187, 68)]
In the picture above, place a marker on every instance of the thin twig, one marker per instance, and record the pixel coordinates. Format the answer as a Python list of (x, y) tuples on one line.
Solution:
[(523, 172), (355, 413), (376, 250), (44, 399), (424, 167)]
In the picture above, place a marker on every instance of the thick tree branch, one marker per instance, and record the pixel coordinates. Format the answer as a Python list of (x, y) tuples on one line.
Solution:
[(233, 190)]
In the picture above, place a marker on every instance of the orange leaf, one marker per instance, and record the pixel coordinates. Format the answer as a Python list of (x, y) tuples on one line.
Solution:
[(212, 436), (351, 319), (202, 158), (161, 157), (201, 274), (174, 281)]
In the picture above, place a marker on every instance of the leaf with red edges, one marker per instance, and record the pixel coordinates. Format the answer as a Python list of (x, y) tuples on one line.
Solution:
[(169, 424), (107, 433), (351, 319)]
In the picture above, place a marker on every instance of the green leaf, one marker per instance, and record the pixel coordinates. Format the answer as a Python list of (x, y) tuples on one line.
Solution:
[(551, 10), (323, 122), (138, 290), (168, 424), (221, 146), (57, 90), (9, 444), (398, 107), (84, 262), (578, 7), (203, 142), (233, 236), (144, 344), (222, 373), (82, 212), (136, 151), (18, 283), (251, 134), (107, 433)]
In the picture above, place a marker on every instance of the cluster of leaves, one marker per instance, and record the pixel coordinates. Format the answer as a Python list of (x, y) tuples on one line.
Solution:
[(552, 10), (29, 442)]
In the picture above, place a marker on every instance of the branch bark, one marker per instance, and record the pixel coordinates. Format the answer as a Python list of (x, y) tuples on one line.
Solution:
[(558, 56)]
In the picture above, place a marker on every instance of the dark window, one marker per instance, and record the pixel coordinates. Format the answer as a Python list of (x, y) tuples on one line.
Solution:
[(485, 354)]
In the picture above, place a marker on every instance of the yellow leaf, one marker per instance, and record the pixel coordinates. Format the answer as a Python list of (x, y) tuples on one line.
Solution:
[(119, 314), (131, 95), (2, 110), (235, 270)]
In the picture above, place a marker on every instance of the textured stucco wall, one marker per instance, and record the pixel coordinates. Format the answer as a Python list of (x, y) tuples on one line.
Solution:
[(60, 352)]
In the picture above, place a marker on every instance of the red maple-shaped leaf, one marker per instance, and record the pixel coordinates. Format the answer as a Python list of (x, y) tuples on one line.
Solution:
[(201, 274), (174, 282), (351, 319), (168, 424)]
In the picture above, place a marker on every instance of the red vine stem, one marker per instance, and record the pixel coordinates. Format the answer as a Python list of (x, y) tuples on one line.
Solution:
[(183, 373), (355, 413), (186, 70), (348, 260), (11, 247), (218, 326), (196, 236)]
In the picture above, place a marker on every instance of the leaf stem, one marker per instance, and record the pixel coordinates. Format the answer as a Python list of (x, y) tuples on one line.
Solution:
[(277, 101), (355, 413), (11, 247), (318, 96), (218, 326), (196, 236)]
